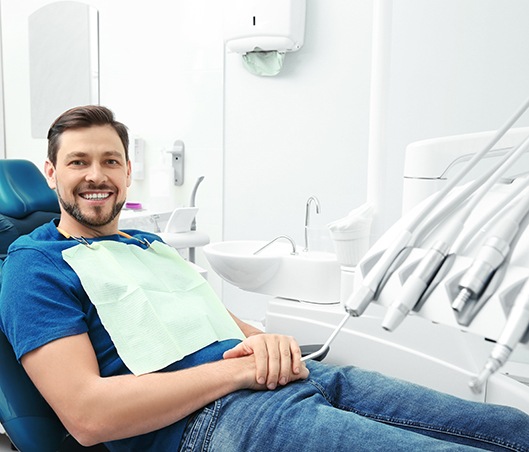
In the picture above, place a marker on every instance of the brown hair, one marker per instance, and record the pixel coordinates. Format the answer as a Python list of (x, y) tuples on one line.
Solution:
[(80, 117)]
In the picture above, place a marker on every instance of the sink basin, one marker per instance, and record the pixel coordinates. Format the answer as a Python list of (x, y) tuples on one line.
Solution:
[(309, 276), (235, 262)]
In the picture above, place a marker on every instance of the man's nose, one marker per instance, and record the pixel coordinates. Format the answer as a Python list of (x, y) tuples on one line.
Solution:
[(96, 174)]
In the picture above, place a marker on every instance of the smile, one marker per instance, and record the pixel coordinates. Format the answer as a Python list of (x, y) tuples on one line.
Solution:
[(95, 196)]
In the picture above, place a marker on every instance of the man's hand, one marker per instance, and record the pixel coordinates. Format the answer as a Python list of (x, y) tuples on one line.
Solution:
[(277, 359)]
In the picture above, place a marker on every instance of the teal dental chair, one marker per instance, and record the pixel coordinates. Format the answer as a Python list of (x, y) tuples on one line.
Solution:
[(26, 202)]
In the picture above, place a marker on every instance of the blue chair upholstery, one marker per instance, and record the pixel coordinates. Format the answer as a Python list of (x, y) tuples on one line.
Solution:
[(28, 420), (26, 202)]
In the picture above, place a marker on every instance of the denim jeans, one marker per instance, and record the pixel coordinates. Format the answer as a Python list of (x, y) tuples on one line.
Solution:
[(349, 409)]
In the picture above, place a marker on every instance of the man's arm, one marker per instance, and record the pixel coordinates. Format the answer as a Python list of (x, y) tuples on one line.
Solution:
[(247, 329), (96, 409)]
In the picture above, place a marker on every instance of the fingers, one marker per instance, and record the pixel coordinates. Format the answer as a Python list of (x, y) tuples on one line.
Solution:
[(297, 364), (238, 351), (277, 359)]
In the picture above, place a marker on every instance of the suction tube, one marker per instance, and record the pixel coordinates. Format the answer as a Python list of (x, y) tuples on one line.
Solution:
[(325, 347)]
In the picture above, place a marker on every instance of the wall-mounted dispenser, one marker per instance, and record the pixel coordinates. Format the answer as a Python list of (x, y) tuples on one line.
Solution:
[(137, 157), (177, 159), (263, 31)]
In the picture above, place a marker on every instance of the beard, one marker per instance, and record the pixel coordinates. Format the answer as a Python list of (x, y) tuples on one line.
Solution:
[(97, 220)]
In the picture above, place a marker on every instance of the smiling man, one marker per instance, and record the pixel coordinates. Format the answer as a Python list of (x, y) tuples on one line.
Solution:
[(94, 173), (84, 331)]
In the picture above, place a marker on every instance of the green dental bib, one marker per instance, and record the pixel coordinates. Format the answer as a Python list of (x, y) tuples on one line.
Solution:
[(155, 306)]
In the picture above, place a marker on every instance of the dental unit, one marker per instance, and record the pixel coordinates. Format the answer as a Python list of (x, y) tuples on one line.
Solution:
[(361, 298), (448, 215), (443, 290)]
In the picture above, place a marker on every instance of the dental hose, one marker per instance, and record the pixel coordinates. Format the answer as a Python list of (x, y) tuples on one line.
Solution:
[(471, 194), (493, 214), (325, 347)]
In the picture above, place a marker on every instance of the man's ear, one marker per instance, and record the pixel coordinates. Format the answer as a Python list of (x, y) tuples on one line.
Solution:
[(49, 172), (129, 173)]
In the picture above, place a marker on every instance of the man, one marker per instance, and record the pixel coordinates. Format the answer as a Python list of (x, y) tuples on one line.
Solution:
[(229, 395)]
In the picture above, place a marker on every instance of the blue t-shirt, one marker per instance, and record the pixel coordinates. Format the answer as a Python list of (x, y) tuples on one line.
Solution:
[(42, 299)]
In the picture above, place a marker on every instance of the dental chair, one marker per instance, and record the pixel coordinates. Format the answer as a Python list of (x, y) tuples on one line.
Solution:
[(26, 202)]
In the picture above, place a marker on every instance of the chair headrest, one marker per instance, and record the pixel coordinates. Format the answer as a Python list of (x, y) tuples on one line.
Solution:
[(23, 190)]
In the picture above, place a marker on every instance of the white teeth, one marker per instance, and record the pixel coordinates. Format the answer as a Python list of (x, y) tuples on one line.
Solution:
[(92, 196)]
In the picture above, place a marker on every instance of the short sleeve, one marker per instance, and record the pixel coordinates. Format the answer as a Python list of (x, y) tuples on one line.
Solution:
[(39, 301)]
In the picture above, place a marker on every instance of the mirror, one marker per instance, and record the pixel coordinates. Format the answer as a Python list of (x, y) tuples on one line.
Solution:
[(63, 61)]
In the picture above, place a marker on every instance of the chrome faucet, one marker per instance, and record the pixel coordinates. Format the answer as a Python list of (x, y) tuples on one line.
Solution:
[(194, 222), (317, 203), (294, 252)]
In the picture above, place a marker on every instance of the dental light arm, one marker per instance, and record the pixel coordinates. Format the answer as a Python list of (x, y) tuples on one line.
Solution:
[(514, 330), (356, 304)]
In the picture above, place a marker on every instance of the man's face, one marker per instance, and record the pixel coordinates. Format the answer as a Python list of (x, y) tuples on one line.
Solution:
[(91, 179)]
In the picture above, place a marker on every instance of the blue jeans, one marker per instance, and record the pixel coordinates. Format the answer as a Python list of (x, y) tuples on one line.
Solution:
[(349, 409)]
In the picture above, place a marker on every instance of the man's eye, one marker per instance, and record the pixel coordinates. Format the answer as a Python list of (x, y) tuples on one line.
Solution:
[(77, 162)]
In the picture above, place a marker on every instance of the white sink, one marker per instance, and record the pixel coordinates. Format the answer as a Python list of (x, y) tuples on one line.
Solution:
[(236, 263), (308, 276)]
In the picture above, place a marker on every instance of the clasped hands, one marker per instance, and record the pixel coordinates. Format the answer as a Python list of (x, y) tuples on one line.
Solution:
[(277, 359)]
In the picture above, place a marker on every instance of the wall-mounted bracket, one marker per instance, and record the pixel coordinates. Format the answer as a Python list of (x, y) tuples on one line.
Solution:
[(177, 159)]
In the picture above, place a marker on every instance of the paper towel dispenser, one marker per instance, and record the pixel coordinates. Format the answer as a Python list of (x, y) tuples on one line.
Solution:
[(264, 25)]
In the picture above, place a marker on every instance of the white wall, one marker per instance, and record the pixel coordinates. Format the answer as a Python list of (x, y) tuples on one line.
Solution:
[(456, 67), (161, 72), (301, 133), (266, 144)]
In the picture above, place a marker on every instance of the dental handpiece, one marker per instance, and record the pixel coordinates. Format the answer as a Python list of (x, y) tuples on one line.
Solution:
[(415, 285), (494, 251), (514, 330), (357, 303), (490, 256)]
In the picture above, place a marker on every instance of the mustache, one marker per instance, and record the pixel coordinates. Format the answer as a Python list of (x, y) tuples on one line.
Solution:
[(94, 187)]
